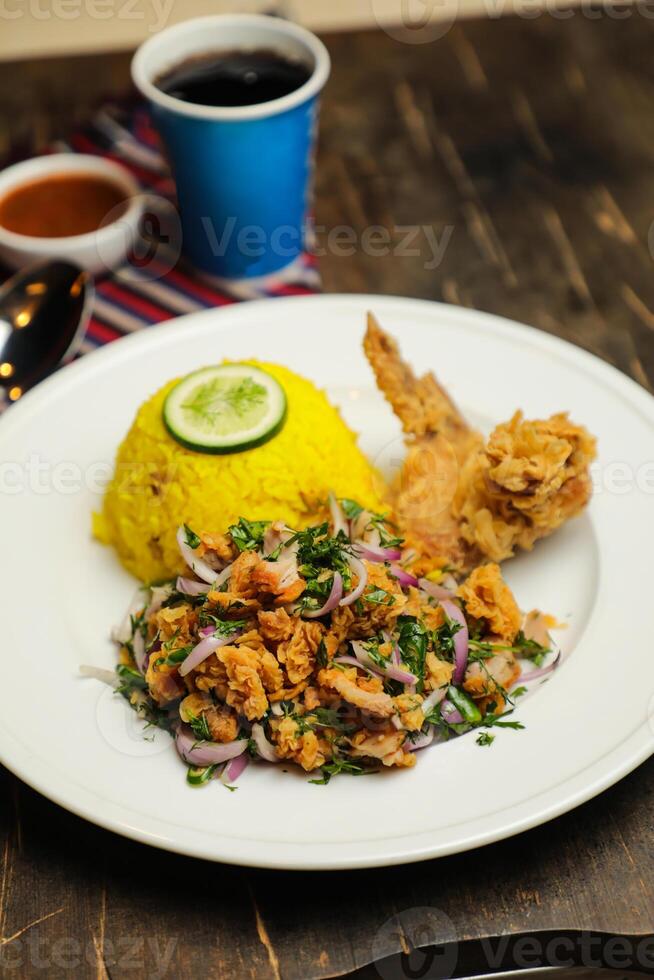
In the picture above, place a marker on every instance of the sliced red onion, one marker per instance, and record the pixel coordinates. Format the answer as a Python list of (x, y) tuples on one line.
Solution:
[(206, 753), (159, 594), (461, 638), (140, 656), (362, 657), (353, 662), (395, 650), (201, 568), (422, 741), (99, 674), (235, 767), (122, 634), (358, 526), (332, 601), (265, 748), (360, 571), (204, 649), (539, 672), (338, 517), (207, 630), (397, 674), (187, 586), (376, 554), (437, 591), (432, 700), (392, 671), (535, 627), (278, 534), (451, 714), (223, 577), (404, 578)]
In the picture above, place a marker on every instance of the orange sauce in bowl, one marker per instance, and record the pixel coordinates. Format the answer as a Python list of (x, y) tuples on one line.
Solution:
[(61, 205)]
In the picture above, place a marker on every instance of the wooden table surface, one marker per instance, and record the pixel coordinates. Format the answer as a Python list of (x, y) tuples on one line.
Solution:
[(534, 141)]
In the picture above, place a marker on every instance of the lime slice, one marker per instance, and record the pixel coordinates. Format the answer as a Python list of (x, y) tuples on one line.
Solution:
[(225, 409)]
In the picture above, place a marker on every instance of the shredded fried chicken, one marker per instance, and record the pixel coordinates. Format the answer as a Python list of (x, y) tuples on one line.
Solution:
[(489, 600), (346, 683)]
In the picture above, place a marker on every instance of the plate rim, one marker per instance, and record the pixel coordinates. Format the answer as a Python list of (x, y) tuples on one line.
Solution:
[(577, 789)]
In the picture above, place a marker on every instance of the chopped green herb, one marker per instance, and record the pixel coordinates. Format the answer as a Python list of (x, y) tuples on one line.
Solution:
[(530, 649), (180, 598), (176, 657), (322, 659), (379, 597), (497, 721), (329, 718), (248, 535), (131, 679), (339, 767), (302, 722), (443, 639), (319, 556), (200, 727), (413, 641), (192, 540), (350, 508), (139, 701), (485, 739), (381, 524), (222, 627), (372, 650), (522, 647)]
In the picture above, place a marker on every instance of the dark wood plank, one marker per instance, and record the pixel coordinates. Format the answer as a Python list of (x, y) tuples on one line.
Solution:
[(532, 141)]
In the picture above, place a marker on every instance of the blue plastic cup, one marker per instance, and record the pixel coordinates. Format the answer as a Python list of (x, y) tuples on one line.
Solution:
[(243, 174)]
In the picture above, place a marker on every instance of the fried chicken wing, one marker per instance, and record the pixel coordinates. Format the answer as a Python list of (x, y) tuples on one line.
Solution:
[(439, 441), (460, 500), (423, 407)]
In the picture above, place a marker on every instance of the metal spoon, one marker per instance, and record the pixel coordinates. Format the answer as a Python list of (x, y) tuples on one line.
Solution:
[(44, 310)]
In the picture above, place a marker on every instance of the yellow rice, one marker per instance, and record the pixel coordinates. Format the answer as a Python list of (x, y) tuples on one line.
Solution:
[(158, 484)]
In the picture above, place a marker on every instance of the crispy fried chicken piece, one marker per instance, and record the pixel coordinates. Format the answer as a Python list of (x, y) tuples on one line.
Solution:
[(307, 749), (532, 477), (345, 683), (439, 441), (490, 602), (459, 500), (423, 407), (385, 746)]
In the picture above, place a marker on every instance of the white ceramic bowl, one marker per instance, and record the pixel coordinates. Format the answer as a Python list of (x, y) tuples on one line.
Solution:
[(98, 251)]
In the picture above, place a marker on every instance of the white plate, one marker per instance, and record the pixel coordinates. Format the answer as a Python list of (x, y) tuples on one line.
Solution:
[(72, 740)]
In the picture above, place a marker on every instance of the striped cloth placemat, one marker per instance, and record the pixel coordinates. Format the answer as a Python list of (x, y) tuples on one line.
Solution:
[(133, 297)]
